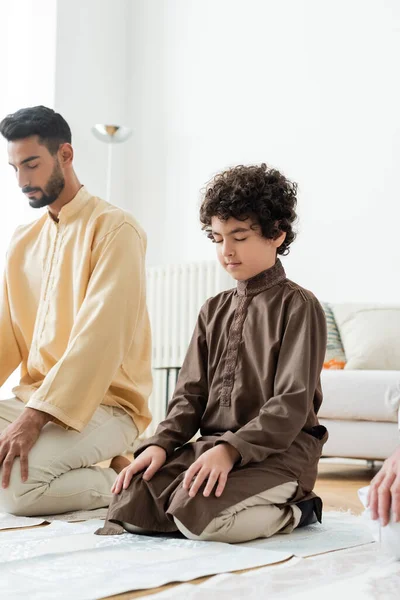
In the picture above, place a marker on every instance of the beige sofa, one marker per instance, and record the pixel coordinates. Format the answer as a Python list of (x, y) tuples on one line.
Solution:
[(361, 401), (360, 411)]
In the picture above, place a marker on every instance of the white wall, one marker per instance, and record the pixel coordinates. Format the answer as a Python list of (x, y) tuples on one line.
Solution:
[(92, 76), (309, 87), (27, 66), (23, 83)]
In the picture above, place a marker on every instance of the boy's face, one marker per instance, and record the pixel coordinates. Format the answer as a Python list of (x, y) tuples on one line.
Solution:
[(241, 249)]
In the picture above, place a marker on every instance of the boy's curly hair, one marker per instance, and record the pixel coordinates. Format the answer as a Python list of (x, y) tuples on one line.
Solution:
[(256, 192)]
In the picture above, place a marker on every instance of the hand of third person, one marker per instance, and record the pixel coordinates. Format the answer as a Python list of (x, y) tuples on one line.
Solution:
[(214, 465), (384, 491), (149, 461)]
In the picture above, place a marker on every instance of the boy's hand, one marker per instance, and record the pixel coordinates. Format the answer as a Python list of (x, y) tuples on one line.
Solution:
[(214, 465), (384, 491), (151, 459)]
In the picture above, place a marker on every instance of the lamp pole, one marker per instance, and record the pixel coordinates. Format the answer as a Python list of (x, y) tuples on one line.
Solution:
[(110, 134)]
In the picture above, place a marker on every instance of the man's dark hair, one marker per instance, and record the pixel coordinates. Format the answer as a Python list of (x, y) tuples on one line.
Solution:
[(51, 128), (255, 192)]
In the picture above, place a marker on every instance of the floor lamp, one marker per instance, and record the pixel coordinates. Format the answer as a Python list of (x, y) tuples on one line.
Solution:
[(111, 134)]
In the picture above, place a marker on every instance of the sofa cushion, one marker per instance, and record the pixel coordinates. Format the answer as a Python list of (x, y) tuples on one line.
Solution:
[(334, 356), (360, 439), (370, 334), (360, 395)]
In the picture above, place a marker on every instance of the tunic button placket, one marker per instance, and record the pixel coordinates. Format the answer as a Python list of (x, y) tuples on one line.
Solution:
[(232, 352), (47, 283)]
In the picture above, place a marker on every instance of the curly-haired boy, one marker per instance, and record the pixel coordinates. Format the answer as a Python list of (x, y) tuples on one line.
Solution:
[(250, 382)]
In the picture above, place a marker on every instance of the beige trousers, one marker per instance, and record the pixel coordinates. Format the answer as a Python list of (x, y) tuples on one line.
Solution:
[(255, 517), (61, 476)]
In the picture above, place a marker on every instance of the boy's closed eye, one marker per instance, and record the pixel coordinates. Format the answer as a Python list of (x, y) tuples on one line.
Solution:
[(236, 240)]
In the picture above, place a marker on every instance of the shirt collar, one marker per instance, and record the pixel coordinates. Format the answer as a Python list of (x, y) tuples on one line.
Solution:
[(263, 281), (74, 205)]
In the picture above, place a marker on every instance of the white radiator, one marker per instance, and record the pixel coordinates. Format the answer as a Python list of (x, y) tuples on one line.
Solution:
[(175, 294)]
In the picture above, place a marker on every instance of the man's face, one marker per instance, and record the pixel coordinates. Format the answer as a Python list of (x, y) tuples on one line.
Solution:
[(38, 172), (241, 249)]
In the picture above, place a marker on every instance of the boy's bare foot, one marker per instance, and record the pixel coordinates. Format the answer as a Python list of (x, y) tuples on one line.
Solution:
[(119, 462)]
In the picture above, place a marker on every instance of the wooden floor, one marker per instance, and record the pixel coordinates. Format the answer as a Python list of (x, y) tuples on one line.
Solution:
[(337, 485)]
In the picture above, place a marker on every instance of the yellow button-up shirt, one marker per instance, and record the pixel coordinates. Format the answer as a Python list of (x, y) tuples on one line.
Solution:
[(73, 313)]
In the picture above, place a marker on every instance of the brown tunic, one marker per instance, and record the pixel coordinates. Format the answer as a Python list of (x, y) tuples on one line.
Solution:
[(251, 377)]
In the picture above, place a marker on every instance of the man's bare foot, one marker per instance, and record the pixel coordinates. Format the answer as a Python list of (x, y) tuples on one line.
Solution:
[(119, 462)]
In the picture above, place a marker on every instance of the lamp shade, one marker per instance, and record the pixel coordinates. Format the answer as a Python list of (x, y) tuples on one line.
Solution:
[(111, 134)]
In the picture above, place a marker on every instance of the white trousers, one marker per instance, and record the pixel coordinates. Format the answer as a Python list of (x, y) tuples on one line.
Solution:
[(61, 476)]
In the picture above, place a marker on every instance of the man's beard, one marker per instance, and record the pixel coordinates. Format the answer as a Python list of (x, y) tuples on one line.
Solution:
[(53, 189)]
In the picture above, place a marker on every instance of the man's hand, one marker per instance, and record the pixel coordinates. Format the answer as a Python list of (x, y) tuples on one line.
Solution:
[(150, 459), (214, 465), (384, 491), (17, 440)]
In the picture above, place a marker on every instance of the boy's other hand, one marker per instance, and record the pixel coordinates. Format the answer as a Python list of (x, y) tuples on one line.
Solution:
[(150, 459), (214, 465)]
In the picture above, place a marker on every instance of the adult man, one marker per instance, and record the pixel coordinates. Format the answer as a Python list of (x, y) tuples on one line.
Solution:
[(73, 314)]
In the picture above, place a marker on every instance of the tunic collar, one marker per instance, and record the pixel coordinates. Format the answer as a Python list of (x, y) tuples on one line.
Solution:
[(74, 206), (263, 281)]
